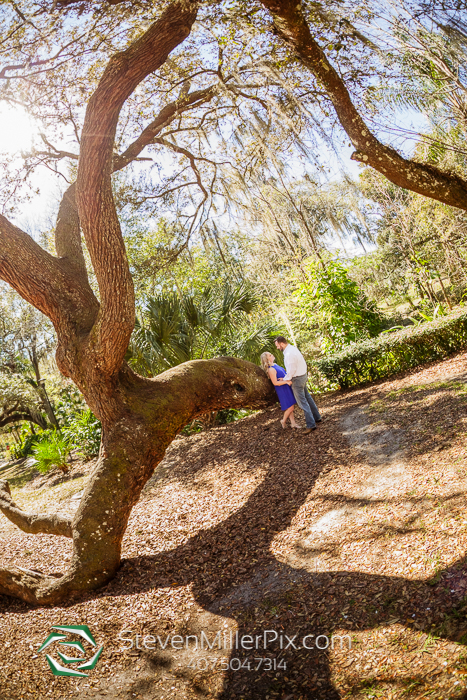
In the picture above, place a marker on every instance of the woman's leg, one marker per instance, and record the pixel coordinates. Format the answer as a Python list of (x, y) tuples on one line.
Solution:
[(286, 415), (292, 417)]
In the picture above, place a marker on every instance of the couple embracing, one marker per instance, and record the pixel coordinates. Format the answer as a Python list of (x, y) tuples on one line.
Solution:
[(290, 384)]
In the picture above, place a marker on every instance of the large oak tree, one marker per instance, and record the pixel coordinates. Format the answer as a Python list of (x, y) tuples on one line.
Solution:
[(141, 416), (291, 24)]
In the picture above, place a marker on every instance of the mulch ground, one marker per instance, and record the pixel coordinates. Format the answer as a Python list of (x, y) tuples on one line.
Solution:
[(350, 541)]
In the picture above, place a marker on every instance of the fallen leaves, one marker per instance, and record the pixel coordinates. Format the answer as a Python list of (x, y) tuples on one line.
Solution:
[(248, 527)]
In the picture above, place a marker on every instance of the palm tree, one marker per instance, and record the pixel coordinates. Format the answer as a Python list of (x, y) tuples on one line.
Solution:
[(174, 328)]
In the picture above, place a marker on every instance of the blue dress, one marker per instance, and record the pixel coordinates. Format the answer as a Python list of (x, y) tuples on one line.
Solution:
[(284, 392)]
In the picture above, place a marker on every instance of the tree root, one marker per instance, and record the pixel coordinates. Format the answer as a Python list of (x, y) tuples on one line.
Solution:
[(23, 584), (31, 522)]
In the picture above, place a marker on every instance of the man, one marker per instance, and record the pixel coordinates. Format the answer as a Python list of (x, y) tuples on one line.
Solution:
[(296, 368)]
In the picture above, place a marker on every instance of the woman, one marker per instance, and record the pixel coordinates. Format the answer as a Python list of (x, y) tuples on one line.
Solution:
[(283, 390)]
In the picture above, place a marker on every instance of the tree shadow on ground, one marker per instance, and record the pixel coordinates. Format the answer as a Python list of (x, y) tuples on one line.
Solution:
[(234, 575)]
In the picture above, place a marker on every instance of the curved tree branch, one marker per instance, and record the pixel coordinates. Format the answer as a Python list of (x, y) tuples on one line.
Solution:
[(47, 283), (421, 178), (96, 208), (63, 4), (67, 230), (165, 117), (155, 411), (24, 414), (23, 584), (30, 522), (185, 152), (200, 386)]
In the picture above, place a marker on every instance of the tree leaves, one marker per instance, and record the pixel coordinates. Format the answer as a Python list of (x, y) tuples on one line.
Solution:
[(174, 328)]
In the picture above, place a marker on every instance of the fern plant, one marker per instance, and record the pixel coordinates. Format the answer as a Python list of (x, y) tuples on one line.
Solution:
[(176, 328), (52, 451), (84, 433)]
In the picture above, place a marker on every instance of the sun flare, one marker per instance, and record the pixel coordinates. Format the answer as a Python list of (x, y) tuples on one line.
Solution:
[(17, 130)]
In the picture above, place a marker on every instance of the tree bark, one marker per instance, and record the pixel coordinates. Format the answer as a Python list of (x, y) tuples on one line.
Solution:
[(148, 414), (30, 522), (111, 333), (46, 282), (140, 417), (422, 178), (68, 234)]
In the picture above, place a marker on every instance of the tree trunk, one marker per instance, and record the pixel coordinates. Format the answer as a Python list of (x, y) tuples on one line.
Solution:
[(145, 416), (139, 416), (41, 390)]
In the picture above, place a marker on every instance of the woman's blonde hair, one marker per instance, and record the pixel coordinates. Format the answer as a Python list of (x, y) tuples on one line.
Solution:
[(265, 362)]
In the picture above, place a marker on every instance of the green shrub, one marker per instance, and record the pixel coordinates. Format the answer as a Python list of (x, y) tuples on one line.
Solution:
[(230, 415), (51, 451), (69, 403), (395, 352), (84, 432), (24, 447), (329, 299)]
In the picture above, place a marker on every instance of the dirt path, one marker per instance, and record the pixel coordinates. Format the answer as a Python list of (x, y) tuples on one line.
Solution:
[(356, 533), (385, 470)]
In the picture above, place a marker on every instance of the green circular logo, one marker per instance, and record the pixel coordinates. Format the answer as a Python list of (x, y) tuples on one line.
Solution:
[(72, 651)]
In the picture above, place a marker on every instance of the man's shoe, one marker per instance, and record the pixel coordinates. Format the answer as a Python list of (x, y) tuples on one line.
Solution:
[(319, 420), (308, 430)]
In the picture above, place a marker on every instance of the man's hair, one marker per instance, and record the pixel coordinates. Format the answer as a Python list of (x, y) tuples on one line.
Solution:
[(281, 339)]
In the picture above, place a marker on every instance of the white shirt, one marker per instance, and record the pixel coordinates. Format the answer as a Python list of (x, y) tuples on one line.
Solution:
[(294, 361)]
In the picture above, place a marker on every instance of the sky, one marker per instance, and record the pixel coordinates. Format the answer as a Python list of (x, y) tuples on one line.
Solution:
[(17, 130), (19, 134)]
